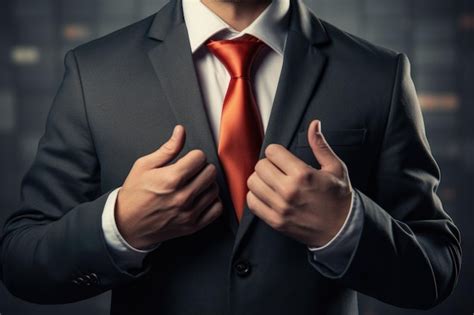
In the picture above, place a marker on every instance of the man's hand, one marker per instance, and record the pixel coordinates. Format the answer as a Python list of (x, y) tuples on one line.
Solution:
[(298, 200), (159, 202)]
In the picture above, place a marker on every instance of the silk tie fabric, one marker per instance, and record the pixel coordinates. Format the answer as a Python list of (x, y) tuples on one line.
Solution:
[(241, 131)]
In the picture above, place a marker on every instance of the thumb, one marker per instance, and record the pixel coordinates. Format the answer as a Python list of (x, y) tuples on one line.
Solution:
[(321, 149), (168, 150)]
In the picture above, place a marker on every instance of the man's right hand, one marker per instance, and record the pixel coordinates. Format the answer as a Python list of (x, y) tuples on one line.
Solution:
[(158, 202)]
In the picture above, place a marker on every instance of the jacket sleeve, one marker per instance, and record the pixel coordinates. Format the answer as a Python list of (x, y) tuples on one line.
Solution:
[(53, 248), (124, 255), (409, 252)]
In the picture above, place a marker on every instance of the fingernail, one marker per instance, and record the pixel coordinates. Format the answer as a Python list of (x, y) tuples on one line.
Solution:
[(175, 131), (318, 126)]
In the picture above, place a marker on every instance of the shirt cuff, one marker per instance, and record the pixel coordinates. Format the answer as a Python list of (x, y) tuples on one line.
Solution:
[(125, 256), (334, 257)]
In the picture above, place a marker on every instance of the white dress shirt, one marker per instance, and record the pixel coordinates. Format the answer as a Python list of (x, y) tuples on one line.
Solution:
[(271, 28)]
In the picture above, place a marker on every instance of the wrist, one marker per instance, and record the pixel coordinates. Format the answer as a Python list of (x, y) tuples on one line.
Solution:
[(121, 220), (331, 231)]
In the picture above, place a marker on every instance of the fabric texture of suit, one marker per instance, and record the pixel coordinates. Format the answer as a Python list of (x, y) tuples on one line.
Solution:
[(120, 98)]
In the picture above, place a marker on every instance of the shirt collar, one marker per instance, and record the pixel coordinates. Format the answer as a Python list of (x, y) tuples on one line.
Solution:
[(271, 26)]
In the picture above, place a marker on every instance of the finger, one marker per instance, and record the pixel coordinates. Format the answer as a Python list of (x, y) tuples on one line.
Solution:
[(164, 181), (201, 182), (264, 192), (188, 166), (166, 152), (284, 159), (202, 200), (263, 211), (270, 174), (201, 203), (210, 214), (326, 157)]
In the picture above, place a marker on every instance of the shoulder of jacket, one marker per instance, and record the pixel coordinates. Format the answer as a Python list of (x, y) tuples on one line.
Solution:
[(125, 37)]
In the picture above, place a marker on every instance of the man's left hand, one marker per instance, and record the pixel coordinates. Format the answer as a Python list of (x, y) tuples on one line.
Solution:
[(305, 203)]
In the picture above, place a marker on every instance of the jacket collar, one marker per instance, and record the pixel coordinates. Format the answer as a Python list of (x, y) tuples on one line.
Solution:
[(302, 20), (271, 26)]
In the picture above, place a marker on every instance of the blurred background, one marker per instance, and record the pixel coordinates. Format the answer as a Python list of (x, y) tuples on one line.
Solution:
[(437, 36)]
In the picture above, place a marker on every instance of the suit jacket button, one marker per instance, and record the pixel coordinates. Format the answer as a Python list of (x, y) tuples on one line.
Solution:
[(87, 280), (94, 278), (242, 268)]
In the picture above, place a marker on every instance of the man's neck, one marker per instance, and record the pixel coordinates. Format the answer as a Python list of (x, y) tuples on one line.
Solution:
[(237, 13)]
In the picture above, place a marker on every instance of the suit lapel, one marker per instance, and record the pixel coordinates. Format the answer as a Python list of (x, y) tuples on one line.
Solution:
[(303, 67), (171, 57)]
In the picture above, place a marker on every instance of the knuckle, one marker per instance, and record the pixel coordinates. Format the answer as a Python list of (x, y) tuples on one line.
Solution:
[(249, 200), (189, 218), (182, 219), (333, 186), (303, 176), (180, 200), (342, 191), (220, 207), (250, 180), (199, 155), (343, 188), (259, 165), (289, 193), (322, 145), (212, 171), (283, 208), (271, 149), (217, 210), (321, 142), (140, 162), (343, 167), (278, 223), (168, 147), (171, 182)]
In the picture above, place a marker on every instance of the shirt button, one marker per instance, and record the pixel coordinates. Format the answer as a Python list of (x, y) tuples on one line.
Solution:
[(242, 268)]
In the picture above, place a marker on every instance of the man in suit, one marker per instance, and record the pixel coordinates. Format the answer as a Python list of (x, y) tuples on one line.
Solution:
[(298, 172)]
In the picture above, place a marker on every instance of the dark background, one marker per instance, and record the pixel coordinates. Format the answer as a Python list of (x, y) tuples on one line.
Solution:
[(437, 35)]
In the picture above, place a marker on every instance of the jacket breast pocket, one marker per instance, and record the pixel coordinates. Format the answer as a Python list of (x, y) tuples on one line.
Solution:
[(336, 137)]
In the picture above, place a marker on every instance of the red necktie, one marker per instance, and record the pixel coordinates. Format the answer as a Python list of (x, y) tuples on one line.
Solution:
[(241, 130)]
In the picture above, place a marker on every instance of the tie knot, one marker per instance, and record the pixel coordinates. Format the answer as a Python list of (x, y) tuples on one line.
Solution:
[(237, 55)]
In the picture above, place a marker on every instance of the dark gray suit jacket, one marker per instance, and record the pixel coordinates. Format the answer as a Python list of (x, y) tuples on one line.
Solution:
[(120, 98)]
